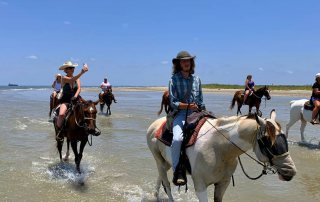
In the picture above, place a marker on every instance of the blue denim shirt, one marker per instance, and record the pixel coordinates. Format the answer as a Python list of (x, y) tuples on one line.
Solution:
[(178, 87)]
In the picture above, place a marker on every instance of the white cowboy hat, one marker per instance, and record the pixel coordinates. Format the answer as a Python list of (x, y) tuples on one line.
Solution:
[(68, 64), (57, 75), (317, 75)]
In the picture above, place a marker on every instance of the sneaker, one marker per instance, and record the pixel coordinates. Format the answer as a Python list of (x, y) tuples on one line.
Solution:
[(314, 121)]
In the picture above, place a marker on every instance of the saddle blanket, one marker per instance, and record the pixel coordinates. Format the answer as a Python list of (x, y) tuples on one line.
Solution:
[(165, 136)]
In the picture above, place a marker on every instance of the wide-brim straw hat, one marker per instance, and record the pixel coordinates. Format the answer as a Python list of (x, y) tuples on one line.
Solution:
[(317, 75), (68, 64), (182, 55)]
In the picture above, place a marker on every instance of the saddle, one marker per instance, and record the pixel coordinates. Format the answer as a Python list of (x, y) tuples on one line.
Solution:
[(308, 105), (192, 127)]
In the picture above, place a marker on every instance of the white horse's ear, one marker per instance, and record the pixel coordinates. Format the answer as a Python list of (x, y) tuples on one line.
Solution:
[(259, 119), (273, 115)]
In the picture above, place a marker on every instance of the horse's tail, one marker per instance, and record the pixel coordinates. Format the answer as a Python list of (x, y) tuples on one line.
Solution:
[(159, 112), (233, 102)]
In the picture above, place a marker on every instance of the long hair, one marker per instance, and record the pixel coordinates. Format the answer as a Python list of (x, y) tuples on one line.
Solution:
[(177, 67)]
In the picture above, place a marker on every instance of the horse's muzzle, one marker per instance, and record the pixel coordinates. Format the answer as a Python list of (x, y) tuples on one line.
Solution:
[(285, 177), (94, 132)]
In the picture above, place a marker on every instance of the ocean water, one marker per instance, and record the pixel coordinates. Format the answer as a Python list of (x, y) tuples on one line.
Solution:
[(119, 166)]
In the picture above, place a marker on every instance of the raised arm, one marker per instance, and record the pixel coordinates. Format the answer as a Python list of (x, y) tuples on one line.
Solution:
[(73, 79)]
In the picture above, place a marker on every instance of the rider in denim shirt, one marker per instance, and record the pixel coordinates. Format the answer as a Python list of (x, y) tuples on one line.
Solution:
[(185, 94)]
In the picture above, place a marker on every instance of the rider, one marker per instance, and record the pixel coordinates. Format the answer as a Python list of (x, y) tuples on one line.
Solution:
[(315, 99), (105, 86), (71, 88), (249, 87), (185, 94), (56, 85)]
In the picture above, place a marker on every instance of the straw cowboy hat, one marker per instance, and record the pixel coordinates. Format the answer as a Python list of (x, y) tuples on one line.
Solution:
[(68, 64), (182, 55), (317, 75)]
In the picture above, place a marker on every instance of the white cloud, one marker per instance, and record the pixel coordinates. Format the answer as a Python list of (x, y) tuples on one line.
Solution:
[(92, 59), (289, 72), (32, 57), (67, 22), (261, 69), (164, 62)]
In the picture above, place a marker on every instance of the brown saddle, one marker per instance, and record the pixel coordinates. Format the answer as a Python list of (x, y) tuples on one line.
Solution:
[(194, 123), (308, 106), (165, 135)]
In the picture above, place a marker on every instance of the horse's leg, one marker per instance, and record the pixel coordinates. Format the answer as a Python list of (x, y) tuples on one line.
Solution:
[(220, 188), (59, 147), (200, 188), (202, 196), (302, 127), (51, 107), (163, 168), (66, 157), (293, 120), (258, 110), (108, 110), (82, 145), (101, 108), (239, 106), (76, 155)]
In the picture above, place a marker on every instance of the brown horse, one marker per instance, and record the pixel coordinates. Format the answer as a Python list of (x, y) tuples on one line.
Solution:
[(54, 102), (80, 122), (106, 98), (253, 100), (165, 103)]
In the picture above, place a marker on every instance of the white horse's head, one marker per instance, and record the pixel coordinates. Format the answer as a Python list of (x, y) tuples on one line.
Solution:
[(272, 147)]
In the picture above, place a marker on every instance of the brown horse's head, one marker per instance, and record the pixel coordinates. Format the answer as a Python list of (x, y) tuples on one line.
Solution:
[(264, 91), (89, 113)]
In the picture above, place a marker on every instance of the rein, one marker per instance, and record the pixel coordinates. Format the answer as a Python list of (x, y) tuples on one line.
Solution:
[(84, 126), (265, 166)]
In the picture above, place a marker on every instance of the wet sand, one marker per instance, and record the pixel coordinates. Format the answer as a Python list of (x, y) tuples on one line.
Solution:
[(290, 93)]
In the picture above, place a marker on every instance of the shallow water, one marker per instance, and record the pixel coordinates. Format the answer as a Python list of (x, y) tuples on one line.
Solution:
[(119, 166)]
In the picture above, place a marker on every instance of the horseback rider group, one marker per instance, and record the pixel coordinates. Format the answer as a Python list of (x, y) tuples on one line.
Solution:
[(184, 92)]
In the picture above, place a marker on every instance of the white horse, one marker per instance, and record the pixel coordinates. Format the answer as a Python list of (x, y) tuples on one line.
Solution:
[(297, 112), (213, 158)]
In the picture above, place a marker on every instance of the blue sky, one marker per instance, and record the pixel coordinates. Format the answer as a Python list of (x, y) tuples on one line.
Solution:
[(132, 42)]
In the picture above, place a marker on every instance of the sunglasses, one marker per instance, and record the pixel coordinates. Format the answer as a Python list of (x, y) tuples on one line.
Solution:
[(70, 68)]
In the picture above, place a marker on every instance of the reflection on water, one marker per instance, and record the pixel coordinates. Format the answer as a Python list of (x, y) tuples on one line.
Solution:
[(119, 166)]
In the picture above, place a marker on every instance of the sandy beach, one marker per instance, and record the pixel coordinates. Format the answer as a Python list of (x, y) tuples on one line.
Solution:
[(291, 93)]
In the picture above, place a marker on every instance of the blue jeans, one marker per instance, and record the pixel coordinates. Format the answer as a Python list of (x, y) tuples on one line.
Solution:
[(177, 139)]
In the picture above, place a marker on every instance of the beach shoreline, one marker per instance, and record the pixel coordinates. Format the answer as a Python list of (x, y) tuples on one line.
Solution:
[(291, 93)]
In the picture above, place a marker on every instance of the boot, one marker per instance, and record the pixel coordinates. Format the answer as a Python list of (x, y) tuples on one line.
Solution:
[(179, 177)]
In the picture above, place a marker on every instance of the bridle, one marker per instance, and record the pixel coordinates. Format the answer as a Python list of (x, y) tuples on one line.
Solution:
[(266, 147), (263, 146), (84, 125)]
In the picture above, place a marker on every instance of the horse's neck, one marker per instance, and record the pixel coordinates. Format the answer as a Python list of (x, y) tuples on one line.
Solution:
[(76, 114), (240, 134), (259, 92)]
